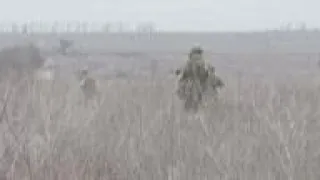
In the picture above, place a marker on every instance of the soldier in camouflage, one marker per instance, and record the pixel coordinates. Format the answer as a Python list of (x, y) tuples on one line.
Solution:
[(196, 78), (88, 86), (193, 78), (65, 45)]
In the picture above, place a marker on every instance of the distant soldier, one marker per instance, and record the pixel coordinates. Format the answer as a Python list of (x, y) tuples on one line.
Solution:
[(64, 46), (88, 86), (24, 29), (193, 79)]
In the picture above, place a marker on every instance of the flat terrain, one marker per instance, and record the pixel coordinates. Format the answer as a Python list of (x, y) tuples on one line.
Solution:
[(265, 124)]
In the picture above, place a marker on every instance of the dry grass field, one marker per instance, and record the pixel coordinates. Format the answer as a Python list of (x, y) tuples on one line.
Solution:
[(265, 124)]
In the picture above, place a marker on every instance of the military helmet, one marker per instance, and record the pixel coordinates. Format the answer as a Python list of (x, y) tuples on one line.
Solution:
[(84, 69), (196, 50), (83, 72)]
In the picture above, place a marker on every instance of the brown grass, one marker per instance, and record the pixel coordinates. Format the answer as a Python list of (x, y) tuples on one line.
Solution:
[(258, 129)]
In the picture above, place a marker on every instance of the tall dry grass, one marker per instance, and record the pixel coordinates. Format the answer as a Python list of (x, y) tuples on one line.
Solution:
[(258, 129)]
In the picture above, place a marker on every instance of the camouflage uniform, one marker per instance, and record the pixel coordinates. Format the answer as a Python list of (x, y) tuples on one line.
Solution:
[(64, 46), (194, 75), (88, 86), (213, 82), (83, 73)]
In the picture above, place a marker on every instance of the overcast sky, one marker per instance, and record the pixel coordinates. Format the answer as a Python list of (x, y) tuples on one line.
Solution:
[(192, 15)]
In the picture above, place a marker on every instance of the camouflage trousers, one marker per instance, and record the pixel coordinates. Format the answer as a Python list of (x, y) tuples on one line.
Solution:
[(191, 92)]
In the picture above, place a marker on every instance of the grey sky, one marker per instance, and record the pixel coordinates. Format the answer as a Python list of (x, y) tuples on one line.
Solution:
[(206, 15)]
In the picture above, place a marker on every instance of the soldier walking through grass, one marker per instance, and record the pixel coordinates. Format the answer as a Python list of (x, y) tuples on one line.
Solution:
[(88, 86), (193, 77), (196, 77)]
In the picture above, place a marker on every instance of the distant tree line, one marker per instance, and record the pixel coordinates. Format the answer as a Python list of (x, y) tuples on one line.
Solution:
[(75, 27), (294, 27)]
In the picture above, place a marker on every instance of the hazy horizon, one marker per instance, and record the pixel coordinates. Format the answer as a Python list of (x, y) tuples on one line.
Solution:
[(173, 15)]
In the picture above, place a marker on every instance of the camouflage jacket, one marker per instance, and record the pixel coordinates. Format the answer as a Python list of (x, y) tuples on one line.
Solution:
[(215, 82), (195, 70)]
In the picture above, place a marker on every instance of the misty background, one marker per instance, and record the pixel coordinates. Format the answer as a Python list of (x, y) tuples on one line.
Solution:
[(169, 15)]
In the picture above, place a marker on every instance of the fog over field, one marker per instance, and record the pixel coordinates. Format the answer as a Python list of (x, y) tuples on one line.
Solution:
[(170, 15), (264, 124)]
